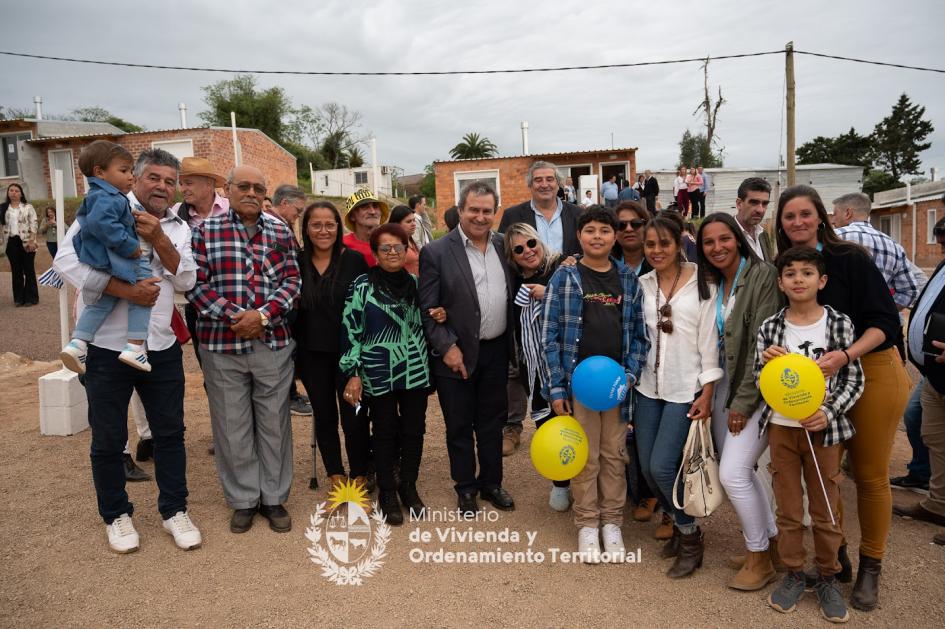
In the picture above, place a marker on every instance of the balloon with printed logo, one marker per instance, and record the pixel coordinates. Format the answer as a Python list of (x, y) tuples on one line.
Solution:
[(599, 383), (793, 385), (559, 448)]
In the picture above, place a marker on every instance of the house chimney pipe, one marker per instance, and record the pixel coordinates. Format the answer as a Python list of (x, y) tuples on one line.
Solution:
[(933, 171), (38, 101), (183, 114), (524, 137)]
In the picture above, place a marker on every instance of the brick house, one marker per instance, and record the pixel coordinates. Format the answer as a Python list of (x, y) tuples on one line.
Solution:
[(507, 174), (39, 156), (896, 211)]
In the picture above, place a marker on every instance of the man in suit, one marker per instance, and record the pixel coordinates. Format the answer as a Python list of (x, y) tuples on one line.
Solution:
[(465, 273), (555, 220), (651, 189), (754, 195)]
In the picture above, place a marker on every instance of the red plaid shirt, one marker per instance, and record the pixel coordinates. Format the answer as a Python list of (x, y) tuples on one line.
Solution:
[(237, 273)]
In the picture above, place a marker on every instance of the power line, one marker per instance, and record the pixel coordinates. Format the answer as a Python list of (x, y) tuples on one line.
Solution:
[(875, 63)]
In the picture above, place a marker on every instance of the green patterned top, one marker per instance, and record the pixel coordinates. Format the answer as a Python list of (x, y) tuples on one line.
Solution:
[(382, 341)]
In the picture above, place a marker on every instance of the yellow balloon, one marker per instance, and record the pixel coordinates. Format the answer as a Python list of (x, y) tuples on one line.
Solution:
[(793, 385), (559, 448)]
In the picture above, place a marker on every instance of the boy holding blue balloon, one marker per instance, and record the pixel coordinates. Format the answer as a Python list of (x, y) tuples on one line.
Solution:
[(594, 310), (811, 445)]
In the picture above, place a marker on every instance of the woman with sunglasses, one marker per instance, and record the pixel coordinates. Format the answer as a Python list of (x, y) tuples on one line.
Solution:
[(632, 217), (405, 217), (385, 359), (746, 294), (678, 381), (533, 264), (856, 288), (328, 268)]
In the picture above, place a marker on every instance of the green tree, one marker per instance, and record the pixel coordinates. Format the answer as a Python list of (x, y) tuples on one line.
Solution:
[(267, 110), (428, 183), (355, 158), (900, 137), (848, 148), (99, 114), (473, 146), (694, 150)]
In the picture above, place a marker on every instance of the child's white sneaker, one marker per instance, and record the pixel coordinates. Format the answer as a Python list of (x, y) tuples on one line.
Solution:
[(74, 354), (122, 536), (613, 543), (560, 499), (589, 545), (136, 356)]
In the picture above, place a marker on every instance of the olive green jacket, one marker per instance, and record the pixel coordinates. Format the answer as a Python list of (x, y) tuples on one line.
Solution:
[(757, 297)]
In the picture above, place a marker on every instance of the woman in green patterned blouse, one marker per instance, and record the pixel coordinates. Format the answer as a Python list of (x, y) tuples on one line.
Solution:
[(384, 355)]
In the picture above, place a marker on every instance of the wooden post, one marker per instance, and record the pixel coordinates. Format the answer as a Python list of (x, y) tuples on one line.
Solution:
[(789, 92)]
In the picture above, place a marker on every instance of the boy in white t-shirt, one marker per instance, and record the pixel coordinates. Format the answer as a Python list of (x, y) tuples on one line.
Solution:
[(807, 328)]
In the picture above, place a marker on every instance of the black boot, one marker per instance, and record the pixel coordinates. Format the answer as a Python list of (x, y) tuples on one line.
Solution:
[(671, 547), (411, 499), (145, 450), (391, 508), (865, 596), (846, 569), (690, 554), (133, 473)]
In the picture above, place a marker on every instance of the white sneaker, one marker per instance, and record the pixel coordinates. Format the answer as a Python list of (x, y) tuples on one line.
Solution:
[(185, 534), (613, 543), (122, 536), (589, 545), (136, 356), (560, 499), (74, 354)]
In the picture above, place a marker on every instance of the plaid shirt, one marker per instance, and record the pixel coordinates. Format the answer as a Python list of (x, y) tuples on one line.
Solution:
[(846, 386), (889, 257), (237, 273), (563, 324)]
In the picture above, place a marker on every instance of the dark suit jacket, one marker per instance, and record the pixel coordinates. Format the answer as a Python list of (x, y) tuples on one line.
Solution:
[(651, 187), (446, 280), (523, 213)]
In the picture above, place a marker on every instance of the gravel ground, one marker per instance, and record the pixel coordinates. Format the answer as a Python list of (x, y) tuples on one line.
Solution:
[(58, 571)]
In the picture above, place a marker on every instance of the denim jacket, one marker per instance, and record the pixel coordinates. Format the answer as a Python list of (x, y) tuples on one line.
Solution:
[(107, 237), (563, 324)]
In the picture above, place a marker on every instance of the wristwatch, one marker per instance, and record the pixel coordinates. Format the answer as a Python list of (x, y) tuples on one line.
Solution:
[(263, 319)]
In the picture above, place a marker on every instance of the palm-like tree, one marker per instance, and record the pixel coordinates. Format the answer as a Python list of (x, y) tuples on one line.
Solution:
[(474, 147)]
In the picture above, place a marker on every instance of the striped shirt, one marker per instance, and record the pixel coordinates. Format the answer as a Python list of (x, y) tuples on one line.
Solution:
[(889, 257)]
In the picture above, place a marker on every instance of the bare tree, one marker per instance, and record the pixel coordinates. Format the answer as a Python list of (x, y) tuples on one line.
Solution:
[(710, 110), (340, 126)]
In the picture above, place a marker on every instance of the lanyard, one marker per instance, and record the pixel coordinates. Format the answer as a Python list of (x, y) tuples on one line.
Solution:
[(719, 320), (820, 246)]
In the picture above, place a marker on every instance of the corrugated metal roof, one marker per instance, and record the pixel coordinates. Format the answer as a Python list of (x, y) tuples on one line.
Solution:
[(102, 135), (537, 155)]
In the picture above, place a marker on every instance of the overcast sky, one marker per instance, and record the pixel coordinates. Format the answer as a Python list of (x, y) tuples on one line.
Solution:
[(418, 119)]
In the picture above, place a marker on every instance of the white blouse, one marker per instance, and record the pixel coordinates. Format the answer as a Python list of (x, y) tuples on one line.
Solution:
[(689, 357), (679, 183)]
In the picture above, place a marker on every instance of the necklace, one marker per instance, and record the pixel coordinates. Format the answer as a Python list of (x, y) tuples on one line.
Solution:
[(659, 323)]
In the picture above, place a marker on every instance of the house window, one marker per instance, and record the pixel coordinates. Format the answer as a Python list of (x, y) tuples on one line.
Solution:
[(462, 179), (9, 166), (891, 225), (326, 180), (360, 178), (930, 221), (178, 148)]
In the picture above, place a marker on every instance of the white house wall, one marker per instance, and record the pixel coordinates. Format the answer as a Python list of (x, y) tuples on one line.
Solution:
[(340, 182)]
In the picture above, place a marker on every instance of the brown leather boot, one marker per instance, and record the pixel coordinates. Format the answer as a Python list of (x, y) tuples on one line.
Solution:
[(665, 528), (691, 549), (644, 510), (865, 596), (671, 548), (755, 574), (736, 562)]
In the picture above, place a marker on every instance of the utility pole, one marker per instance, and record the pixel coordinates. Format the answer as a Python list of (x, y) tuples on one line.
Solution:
[(789, 92)]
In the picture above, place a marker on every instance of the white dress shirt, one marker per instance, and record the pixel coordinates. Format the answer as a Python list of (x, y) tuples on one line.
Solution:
[(113, 334), (689, 357), (754, 239), (488, 271)]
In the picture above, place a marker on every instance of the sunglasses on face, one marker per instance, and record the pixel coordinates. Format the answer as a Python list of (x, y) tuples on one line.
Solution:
[(397, 249), (665, 324), (636, 223), (531, 243), (245, 186)]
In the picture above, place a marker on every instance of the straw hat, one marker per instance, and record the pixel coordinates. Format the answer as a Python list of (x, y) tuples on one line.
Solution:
[(358, 199), (198, 166)]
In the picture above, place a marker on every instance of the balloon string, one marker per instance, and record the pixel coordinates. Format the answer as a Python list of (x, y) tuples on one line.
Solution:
[(819, 477)]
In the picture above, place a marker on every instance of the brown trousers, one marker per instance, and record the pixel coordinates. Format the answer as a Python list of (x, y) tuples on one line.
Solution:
[(933, 434), (600, 489), (790, 458)]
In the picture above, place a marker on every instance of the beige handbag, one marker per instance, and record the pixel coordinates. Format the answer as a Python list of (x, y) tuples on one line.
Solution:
[(702, 491)]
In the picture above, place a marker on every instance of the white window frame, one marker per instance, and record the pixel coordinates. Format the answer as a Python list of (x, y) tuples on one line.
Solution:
[(895, 226), (360, 173), (66, 176), (161, 144), (600, 169), (931, 217), (471, 175), (3, 168)]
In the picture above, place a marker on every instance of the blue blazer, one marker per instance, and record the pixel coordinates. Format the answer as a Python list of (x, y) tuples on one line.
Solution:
[(108, 237)]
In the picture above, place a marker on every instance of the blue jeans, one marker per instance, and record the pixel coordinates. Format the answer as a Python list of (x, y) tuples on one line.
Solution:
[(108, 386), (912, 418), (93, 315), (661, 430)]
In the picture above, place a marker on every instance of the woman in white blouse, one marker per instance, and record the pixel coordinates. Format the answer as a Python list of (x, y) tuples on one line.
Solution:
[(677, 384), (19, 230)]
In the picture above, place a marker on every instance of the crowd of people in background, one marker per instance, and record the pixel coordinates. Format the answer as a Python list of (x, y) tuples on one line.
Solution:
[(373, 314)]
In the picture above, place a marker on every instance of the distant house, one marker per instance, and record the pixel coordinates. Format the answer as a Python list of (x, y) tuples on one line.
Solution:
[(908, 216), (341, 182), (507, 174), (47, 150), (410, 184)]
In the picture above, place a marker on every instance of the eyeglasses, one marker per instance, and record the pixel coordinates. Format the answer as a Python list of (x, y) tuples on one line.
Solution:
[(245, 186), (323, 227), (531, 243), (636, 223), (395, 249), (665, 323)]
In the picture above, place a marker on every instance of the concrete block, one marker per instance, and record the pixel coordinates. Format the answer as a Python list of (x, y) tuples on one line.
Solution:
[(61, 388), (63, 408)]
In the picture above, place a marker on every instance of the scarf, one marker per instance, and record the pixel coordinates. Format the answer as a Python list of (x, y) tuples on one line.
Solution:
[(400, 285)]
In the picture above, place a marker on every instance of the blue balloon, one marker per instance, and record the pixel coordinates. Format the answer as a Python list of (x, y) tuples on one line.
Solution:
[(599, 383)]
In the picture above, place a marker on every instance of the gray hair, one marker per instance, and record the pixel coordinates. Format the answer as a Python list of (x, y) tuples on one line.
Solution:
[(530, 177), (478, 188), (857, 201), (155, 157), (529, 232), (287, 192)]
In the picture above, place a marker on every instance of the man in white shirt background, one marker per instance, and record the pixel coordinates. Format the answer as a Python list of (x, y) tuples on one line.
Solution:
[(754, 195)]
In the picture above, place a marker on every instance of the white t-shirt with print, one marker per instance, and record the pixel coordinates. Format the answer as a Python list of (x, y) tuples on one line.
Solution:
[(807, 340)]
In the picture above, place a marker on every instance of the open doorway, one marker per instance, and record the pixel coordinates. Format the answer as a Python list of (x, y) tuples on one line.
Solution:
[(618, 170)]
